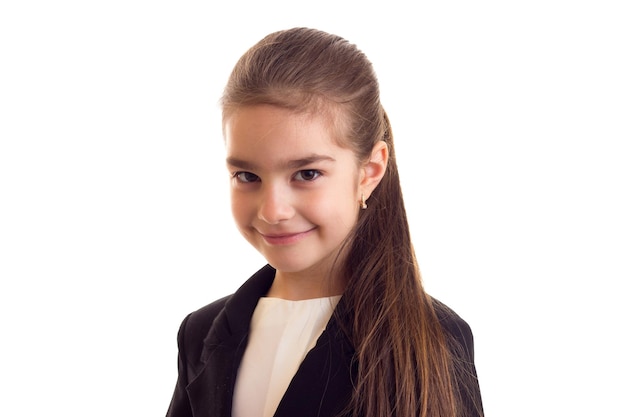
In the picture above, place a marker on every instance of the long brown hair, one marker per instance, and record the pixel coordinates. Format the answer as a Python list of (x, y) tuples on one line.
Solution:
[(406, 363)]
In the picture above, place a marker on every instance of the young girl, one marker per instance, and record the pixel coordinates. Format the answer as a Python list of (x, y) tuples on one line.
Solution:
[(337, 323)]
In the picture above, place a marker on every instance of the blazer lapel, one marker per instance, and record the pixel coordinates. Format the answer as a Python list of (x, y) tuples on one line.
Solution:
[(211, 391), (322, 386)]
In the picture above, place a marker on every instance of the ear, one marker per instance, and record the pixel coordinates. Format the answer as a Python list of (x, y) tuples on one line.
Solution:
[(374, 170)]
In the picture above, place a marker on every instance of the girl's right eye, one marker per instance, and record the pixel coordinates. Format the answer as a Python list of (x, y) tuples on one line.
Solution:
[(245, 177)]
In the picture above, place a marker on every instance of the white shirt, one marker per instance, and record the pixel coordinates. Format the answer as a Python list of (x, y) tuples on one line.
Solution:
[(281, 334)]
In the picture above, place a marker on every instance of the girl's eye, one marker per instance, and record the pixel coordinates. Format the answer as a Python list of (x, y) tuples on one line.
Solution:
[(307, 175), (246, 177)]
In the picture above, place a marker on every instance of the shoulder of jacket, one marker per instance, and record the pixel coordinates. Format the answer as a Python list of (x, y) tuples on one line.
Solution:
[(456, 327), (195, 328), (200, 321)]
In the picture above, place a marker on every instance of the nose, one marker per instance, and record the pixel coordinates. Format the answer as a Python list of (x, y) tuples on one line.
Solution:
[(275, 205)]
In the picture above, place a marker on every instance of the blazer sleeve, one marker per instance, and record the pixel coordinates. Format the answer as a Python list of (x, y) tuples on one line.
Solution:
[(462, 346), (191, 335), (179, 405), (469, 386)]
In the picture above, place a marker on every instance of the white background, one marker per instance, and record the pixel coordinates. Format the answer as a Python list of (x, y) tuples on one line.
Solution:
[(509, 119)]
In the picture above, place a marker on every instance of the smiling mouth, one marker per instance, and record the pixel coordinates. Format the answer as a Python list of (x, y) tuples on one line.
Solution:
[(286, 238)]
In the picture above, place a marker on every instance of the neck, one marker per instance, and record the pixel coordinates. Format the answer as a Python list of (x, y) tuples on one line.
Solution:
[(305, 286)]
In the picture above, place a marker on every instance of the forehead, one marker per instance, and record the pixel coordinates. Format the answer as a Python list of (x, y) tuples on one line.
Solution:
[(264, 131)]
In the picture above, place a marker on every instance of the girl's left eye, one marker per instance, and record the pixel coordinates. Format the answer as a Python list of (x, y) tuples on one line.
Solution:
[(307, 175)]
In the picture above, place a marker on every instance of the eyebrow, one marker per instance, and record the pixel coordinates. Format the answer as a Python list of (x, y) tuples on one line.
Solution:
[(291, 164)]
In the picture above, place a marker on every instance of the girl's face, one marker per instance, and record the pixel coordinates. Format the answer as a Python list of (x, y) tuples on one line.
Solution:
[(294, 192)]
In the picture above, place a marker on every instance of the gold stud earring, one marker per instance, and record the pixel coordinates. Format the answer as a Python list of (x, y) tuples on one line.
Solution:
[(363, 203)]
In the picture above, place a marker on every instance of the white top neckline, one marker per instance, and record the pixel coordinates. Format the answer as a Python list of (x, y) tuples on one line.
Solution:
[(281, 334)]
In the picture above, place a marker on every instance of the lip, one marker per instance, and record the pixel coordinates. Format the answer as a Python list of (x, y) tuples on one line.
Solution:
[(280, 239)]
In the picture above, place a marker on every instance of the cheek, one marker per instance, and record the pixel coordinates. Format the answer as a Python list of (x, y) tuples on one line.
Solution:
[(338, 206), (238, 207), (347, 196)]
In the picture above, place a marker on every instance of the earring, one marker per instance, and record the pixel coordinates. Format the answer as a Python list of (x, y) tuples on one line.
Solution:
[(363, 203)]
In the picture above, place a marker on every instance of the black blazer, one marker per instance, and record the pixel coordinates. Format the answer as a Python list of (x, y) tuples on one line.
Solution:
[(212, 340)]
